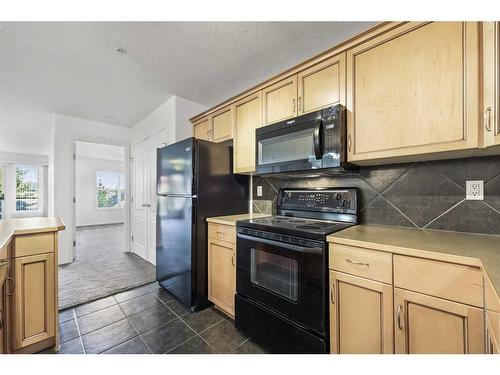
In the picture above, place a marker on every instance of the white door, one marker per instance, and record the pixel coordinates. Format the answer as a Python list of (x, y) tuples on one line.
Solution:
[(140, 190), (155, 142)]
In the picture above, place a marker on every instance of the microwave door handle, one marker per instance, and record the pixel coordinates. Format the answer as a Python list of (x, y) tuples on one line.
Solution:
[(317, 137)]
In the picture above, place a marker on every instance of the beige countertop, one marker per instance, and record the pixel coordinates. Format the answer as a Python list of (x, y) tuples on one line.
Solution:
[(11, 227), (232, 219), (476, 250)]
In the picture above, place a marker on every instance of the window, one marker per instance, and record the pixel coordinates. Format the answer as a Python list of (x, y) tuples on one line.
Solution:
[(110, 189), (27, 188)]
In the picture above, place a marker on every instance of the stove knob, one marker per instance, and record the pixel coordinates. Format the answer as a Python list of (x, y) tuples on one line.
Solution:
[(345, 203), (338, 196)]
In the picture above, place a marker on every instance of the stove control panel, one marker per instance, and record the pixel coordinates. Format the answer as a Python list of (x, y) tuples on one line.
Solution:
[(325, 200)]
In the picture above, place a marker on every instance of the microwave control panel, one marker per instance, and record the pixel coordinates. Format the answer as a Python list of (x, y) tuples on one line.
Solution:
[(330, 200)]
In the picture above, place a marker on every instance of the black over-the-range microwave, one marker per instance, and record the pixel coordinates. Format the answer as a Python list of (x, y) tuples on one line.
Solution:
[(311, 143)]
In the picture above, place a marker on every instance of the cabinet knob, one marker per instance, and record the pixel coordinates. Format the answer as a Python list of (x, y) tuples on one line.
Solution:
[(220, 234)]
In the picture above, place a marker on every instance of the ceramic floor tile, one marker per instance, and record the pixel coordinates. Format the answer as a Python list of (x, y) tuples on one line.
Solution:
[(134, 346), (108, 337), (149, 319), (99, 319), (132, 293), (249, 347), (68, 330), (139, 304), (167, 336), (71, 347), (195, 345), (224, 337), (178, 307), (202, 320), (95, 306), (66, 315)]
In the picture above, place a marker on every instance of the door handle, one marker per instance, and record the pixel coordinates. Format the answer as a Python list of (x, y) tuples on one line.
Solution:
[(317, 136), (232, 260), (398, 314), (357, 263), (293, 105), (12, 285), (331, 294), (349, 143), (487, 119), (300, 103)]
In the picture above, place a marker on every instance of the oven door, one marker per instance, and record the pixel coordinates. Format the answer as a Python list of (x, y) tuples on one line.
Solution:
[(288, 148), (286, 278)]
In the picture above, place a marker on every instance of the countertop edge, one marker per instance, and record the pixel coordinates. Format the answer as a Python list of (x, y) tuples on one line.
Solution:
[(226, 220), (11, 232)]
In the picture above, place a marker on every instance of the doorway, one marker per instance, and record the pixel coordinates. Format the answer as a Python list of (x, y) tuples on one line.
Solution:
[(102, 262)]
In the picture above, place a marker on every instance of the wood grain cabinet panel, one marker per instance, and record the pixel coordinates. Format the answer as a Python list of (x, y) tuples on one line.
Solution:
[(203, 129), (429, 325), (247, 117), (322, 85), (360, 315), (413, 91), (33, 300), (3, 306), (491, 84), (222, 125), (222, 274), (280, 100)]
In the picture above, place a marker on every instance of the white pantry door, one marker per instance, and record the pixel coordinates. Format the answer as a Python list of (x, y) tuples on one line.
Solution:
[(140, 190)]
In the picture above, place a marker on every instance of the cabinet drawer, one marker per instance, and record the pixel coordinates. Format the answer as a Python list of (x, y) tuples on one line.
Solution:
[(371, 264), (32, 244), (222, 232), (446, 280)]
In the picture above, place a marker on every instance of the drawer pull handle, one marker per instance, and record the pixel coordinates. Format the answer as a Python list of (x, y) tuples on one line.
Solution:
[(357, 263), (331, 294), (487, 119), (220, 234), (400, 326)]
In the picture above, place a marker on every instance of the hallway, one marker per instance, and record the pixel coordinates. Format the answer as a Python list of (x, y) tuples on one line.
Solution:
[(102, 267)]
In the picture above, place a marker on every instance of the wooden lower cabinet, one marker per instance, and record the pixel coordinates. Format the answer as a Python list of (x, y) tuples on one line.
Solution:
[(33, 300), (3, 307), (361, 320), (492, 332), (430, 325), (222, 274)]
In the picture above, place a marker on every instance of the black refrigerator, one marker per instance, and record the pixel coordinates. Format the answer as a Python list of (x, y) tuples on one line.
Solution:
[(195, 180)]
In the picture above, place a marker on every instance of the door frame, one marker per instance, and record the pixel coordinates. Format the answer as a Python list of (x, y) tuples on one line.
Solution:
[(128, 186)]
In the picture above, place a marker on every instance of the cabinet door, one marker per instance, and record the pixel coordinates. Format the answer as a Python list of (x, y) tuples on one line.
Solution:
[(222, 274), (203, 129), (3, 305), (492, 332), (33, 300), (430, 325), (414, 91), (322, 85), (247, 117), (222, 125), (491, 83), (279, 100), (360, 315)]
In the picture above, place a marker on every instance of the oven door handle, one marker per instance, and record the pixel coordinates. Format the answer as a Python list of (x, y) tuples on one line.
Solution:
[(300, 249), (318, 138)]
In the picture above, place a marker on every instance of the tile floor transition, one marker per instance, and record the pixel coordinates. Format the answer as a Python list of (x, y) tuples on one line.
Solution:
[(148, 320)]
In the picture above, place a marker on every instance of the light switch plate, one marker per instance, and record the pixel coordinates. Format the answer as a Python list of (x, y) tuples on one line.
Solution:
[(259, 191), (475, 190)]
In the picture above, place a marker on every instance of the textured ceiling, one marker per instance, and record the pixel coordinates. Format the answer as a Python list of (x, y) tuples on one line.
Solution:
[(73, 68)]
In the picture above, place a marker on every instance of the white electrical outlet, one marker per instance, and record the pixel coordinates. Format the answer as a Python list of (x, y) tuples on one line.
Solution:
[(259, 191), (475, 190)]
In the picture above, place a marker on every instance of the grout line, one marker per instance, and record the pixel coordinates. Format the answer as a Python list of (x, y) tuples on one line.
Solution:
[(491, 179), (445, 176), (393, 182), (402, 213), (240, 344), (444, 213), (79, 333), (490, 206), (135, 329)]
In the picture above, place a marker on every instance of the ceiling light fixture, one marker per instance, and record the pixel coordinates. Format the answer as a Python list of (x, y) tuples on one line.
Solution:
[(121, 51)]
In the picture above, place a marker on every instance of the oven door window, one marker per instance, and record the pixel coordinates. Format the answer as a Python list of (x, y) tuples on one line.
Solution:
[(275, 273), (293, 146)]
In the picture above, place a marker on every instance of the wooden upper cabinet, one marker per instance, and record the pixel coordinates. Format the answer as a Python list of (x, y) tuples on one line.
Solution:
[(247, 114), (360, 315), (413, 91), (222, 125), (33, 300), (429, 325), (203, 129), (280, 100), (322, 85), (491, 79)]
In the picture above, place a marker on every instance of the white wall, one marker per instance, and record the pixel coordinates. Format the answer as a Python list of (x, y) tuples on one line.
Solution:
[(67, 129), (26, 133), (87, 212), (172, 116)]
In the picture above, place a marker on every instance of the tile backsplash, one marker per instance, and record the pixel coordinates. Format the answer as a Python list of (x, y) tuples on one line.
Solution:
[(421, 195)]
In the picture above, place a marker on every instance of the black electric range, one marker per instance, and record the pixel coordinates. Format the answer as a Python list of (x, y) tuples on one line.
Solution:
[(282, 269)]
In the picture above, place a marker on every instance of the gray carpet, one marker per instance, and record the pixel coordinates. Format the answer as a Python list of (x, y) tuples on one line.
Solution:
[(102, 267)]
